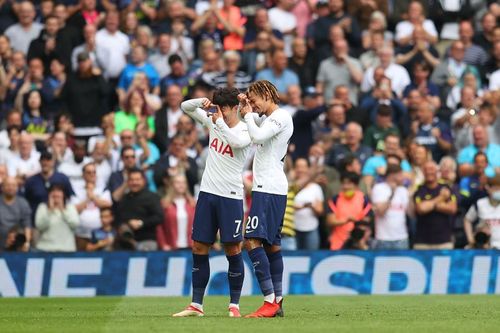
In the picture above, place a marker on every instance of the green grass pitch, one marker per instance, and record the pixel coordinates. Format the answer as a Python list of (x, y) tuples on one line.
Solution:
[(302, 314)]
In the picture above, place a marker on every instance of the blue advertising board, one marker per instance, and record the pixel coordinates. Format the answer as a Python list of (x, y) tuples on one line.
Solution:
[(318, 273)]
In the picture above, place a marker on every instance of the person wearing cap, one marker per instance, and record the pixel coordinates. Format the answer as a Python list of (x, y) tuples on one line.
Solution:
[(36, 187), (391, 202), (487, 212), (376, 133)]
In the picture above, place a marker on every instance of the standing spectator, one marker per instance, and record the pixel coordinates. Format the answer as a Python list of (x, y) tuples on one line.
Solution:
[(88, 201), (256, 58), (99, 55), (36, 187), (140, 212), (138, 63), (44, 46), (159, 59), (205, 28), (340, 69), (351, 147), (487, 212), (376, 26), (178, 206), (135, 110), (278, 74), (171, 112), (421, 82), (435, 206), (232, 77), (283, 20), (22, 33), (301, 63), (353, 113), (390, 204), (262, 24), (485, 37), (416, 18), (432, 133), (85, 97), (473, 187), (474, 54), (12, 119), (396, 73), (481, 142), (418, 50), (73, 168), (14, 212), (346, 210), (370, 58), (24, 164), (178, 76), (56, 222), (383, 126), (332, 131), (309, 206), (118, 180), (230, 20)]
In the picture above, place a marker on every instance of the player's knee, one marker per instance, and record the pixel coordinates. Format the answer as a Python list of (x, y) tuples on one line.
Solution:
[(200, 248), (232, 249), (252, 243), (272, 248)]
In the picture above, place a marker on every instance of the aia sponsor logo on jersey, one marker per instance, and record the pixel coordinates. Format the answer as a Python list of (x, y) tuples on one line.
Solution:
[(221, 147)]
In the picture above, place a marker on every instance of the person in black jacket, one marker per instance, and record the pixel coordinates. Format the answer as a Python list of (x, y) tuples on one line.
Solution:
[(44, 47), (85, 95), (139, 213)]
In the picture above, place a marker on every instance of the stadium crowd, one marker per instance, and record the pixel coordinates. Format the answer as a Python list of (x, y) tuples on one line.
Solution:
[(395, 106)]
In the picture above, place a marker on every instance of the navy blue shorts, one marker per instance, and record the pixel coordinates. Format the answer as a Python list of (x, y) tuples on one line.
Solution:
[(215, 213), (265, 219)]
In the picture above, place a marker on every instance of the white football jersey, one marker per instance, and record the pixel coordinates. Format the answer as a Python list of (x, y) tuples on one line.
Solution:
[(272, 138), (485, 212), (227, 152)]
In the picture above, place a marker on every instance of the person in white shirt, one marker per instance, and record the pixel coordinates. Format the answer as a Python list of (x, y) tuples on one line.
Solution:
[(22, 33), (391, 201), (283, 20), (73, 168), (271, 128), (116, 43), (220, 202), (487, 212), (398, 74), (416, 17), (309, 206), (26, 163)]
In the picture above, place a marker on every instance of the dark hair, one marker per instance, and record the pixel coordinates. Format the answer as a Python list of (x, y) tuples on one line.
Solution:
[(58, 187), (27, 96), (136, 170), (126, 148), (173, 59), (346, 161), (424, 65), (393, 156), (480, 153), (145, 110), (392, 169), (14, 128), (106, 209), (226, 97), (350, 176)]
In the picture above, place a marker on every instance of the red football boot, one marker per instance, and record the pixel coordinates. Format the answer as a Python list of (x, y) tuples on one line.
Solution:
[(268, 310)]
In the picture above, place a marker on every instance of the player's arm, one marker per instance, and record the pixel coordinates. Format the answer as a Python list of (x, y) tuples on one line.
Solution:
[(193, 108), (240, 140), (261, 134)]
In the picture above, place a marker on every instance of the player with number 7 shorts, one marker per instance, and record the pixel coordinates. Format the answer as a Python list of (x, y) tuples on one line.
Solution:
[(220, 202), (271, 129)]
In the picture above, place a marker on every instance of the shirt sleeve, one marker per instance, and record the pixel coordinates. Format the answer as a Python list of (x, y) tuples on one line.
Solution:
[(236, 141), (192, 108), (261, 134), (471, 214)]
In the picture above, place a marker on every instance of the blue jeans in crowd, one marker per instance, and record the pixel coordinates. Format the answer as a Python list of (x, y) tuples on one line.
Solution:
[(308, 240), (288, 243), (402, 244)]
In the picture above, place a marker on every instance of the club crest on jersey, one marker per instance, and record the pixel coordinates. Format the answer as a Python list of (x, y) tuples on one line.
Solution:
[(221, 147)]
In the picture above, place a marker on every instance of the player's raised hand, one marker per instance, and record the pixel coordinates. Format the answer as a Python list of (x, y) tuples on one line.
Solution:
[(217, 114), (243, 98), (206, 104)]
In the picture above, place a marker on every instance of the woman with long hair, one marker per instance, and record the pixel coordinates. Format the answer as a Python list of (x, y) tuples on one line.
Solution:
[(135, 110), (179, 206)]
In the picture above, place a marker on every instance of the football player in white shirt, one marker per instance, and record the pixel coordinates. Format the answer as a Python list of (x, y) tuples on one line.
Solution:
[(270, 128), (220, 202)]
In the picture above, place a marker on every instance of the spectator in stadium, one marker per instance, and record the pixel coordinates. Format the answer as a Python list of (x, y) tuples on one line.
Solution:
[(101, 157), (12, 119), (174, 161), (376, 165), (301, 63), (377, 26), (22, 33), (84, 13), (451, 70), (59, 148), (418, 155), (309, 207), (117, 184), (279, 74), (24, 164), (139, 212), (35, 120), (74, 168), (88, 201), (44, 46), (36, 187), (159, 59), (415, 18), (474, 55), (353, 136), (376, 133), (182, 43), (178, 207), (99, 55), (178, 76), (256, 58), (103, 239), (391, 202), (370, 58), (435, 206), (85, 96), (56, 222), (138, 63), (14, 212), (116, 44), (168, 117), (346, 209), (417, 51), (262, 24), (396, 73), (232, 77), (481, 142), (340, 69), (421, 82), (135, 110), (353, 113), (332, 130), (473, 187), (485, 37), (486, 212), (282, 19), (9, 153), (432, 133)]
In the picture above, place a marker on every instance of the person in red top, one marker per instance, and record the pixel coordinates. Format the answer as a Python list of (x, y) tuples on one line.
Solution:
[(230, 20), (179, 206), (346, 209)]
